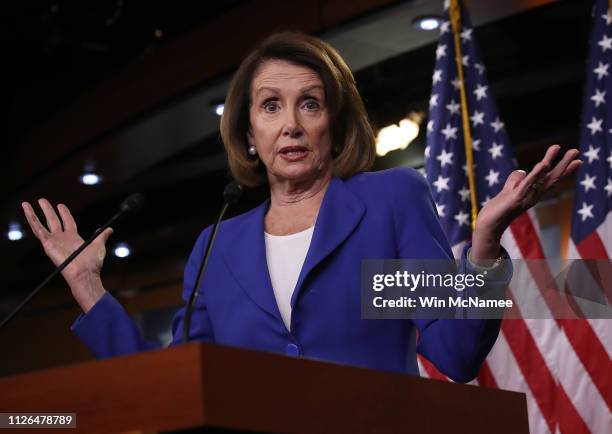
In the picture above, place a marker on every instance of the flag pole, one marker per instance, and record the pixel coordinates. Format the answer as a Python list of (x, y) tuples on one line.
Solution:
[(455, 16)]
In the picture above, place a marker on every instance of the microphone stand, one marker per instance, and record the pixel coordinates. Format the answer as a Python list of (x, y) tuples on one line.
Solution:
[(231, 194)]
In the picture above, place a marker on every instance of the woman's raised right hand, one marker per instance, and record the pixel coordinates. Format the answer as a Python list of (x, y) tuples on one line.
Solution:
[(59, 239)]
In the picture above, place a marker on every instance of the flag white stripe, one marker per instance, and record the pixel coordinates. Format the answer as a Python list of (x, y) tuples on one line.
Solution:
[(506, 372)]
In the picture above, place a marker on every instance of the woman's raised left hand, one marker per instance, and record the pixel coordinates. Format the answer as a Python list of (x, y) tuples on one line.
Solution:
[(520, 192)]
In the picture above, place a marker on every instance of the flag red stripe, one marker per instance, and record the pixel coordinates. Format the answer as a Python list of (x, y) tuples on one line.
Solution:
[(431, 370), (581, 336), (593, 248), (568, 418), (592, 354), (533, 367), (485, 376)]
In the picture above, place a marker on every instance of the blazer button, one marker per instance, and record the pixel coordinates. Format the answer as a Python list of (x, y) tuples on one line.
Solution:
[(292, 350)]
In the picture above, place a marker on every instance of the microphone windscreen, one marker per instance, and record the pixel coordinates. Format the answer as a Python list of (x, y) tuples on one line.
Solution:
[(132, 203), (232, 193)]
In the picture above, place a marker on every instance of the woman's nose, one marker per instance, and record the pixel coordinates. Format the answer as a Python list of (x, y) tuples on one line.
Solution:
[(291, 125)]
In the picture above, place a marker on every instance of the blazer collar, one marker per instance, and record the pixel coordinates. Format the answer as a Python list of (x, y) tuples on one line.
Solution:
[(245, 253)]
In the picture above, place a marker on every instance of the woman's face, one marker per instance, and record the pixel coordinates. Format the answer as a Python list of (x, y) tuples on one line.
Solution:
[(289, 122)]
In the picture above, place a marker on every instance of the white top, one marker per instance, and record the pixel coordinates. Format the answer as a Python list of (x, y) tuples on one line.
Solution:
[(285, 255)]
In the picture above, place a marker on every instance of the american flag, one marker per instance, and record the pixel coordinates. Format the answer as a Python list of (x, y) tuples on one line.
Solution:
[(591, 233), (546, 359)]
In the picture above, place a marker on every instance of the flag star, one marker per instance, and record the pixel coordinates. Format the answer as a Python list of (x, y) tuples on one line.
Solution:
[(599, 97), (464, 193), (427, 151), (607, 17), (497, 124), (440, 209), (476, 145), (446, 4), (592, 154), (449, 132), (595, 125), (586, 211), (453, 107), (437, 76), (480, 92), (433, 100), (464, 167), (465, 60), (462, 218), (441, 51), (444, 27), (477, 118), (601, 70), (605, 43), (608, 187), (445, 158), (496, 150), (441, 183), (609, 159), (492, 177), (484, 202), (456, 83), (430, 126), (480, 67), (466, 35), (588, 182)]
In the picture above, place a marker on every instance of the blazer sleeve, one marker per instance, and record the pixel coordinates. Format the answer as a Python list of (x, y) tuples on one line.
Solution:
[(107, 329), (457, 347)]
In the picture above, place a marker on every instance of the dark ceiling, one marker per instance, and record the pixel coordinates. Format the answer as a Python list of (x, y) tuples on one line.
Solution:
[(60, 50)]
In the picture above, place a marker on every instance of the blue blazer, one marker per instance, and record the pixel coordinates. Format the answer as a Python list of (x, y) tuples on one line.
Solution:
[(378, 215)]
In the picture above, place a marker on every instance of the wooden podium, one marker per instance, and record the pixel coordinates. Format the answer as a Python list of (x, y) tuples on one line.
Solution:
[(208, 388)]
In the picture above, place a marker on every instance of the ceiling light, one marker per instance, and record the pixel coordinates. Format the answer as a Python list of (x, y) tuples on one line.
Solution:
[(398, 136), (427, 22), (219, 109), (90, 179), (14, 233), (122, 250)]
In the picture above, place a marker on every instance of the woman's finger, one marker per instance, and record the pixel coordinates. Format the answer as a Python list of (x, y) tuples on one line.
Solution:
[(53, 222), (571, 168), (514, 179), (67, 219), (37, 227), (559, 171), (538, 173)]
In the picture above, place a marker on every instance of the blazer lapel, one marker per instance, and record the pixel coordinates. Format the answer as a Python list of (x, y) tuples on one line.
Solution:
[(245, 252), (341, 211), (245, 256)]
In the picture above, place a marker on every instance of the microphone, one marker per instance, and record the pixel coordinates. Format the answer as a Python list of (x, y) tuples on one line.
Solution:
[(130, 205), (231, 195)]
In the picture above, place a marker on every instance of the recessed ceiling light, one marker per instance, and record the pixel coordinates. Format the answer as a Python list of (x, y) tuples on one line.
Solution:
[(90, 179), (14, 233), (122, 250), (427, 22), (219, 109)]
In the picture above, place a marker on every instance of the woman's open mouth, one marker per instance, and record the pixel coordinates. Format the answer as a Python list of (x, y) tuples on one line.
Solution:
[(293, 153)]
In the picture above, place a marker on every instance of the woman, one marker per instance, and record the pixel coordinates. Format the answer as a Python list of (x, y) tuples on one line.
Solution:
[(284, 277)]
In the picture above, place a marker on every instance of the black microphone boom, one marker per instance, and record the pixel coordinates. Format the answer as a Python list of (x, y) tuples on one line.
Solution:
[(131, 204), (231, 195)]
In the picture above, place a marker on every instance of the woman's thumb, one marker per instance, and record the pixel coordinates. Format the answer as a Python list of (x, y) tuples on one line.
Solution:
[(106, 234)]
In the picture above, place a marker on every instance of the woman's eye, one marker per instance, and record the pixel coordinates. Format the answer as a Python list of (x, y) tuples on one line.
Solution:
[(270, 106), (311, 105)]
